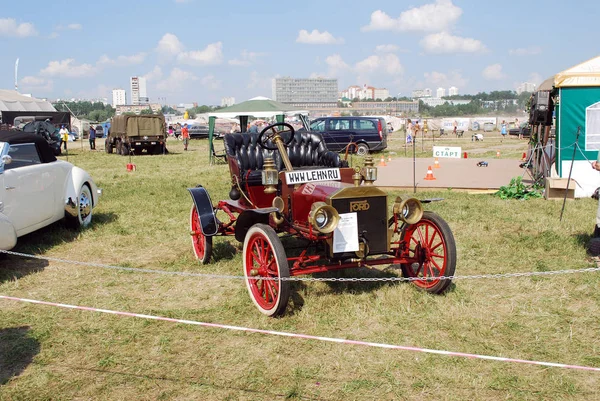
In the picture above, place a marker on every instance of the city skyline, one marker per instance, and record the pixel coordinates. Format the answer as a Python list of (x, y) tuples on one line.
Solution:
[(473, 46)]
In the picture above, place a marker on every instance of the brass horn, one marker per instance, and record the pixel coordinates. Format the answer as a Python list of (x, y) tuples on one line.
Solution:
[(410, 210), (323, 217), (279, 204)]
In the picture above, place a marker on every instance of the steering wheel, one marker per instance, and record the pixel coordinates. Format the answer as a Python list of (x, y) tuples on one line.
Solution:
[(264, 137)]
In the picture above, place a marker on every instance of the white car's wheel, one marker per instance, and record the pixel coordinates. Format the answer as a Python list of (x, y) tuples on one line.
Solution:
[(84, 209)]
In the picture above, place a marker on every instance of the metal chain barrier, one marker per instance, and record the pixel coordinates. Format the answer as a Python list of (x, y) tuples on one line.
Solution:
[(324, 279)]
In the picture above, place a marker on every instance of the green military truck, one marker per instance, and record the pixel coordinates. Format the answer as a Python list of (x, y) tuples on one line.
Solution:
[(133, 134)]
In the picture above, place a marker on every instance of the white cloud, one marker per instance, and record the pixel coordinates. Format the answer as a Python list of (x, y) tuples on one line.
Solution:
[(212, 54), (246, 58), (67, 68), (9, 27), (437, 16), (177, 80), (260, 84), (317, 38), (154, 75), (169, 45), (134, 59), (386, 48), (493, 72), (210, 82), (535, 78), (36, 83), (75, 26), (452, 78), (336, 64), (388, 63), (444, 42), (525, 51)]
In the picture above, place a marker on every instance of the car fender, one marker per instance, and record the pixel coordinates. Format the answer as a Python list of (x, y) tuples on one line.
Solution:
[(250, 217), (76, 178), (205, 210), (8, 235)]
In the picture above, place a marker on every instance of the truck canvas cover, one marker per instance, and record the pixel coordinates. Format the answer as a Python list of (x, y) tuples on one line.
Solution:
[(138, 125)]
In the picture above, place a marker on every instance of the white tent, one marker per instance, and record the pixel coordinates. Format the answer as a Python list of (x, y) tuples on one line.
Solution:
[(11, 100), (584, 74)]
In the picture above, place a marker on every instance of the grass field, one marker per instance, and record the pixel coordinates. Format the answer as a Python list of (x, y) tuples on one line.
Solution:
[(48, 353)]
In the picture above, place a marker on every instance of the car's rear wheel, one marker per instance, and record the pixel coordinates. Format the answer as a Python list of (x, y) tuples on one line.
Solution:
[(201, 243), (362, 149), (432, 251), (264, 258), (84, 209)]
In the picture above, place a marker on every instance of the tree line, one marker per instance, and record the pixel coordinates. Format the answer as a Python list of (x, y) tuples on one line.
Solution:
[(94, 111)]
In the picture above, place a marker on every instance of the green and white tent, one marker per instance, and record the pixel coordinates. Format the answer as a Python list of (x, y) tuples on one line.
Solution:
[(578, 108)]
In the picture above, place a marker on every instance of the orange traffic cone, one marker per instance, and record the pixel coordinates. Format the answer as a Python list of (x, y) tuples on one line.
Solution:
[(497, 154), (524, 157), (465, 155), (429, 175), (436, 163), (382, 162), (389, 158)]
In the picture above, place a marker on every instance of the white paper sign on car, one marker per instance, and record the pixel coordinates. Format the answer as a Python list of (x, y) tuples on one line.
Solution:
[(303, 176), (345, 236)]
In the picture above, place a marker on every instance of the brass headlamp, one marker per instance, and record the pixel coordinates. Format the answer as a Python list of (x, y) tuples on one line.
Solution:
[(369, 171), (323, 217), (410, 210), (270, 176)]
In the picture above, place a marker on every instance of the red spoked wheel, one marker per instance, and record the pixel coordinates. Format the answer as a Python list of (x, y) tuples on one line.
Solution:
[(431, 248), (201, 243), (264, 257)]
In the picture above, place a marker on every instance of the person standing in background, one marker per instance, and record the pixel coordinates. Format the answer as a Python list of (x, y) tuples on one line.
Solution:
[(503, 129), (92, 138), (64, 135), (185, 135)]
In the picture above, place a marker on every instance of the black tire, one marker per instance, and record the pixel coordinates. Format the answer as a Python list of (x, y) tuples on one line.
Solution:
[(137, 151), (124, 149), (269, 296), (593, 247), (84, 209), (436, 225), (362, 149)]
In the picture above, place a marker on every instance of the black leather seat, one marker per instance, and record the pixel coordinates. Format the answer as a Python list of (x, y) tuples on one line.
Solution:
[(246, 157)]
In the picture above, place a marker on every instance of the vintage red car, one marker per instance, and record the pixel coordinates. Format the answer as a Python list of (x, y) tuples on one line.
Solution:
[(288, 182)]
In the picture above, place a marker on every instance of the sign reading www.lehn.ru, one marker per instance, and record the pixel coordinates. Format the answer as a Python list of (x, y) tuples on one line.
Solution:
[(444, 151), (300, 177)]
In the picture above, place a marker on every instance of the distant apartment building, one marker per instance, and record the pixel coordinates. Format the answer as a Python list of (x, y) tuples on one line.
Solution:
[(436, 101), (420, 93), (137, 108), (526, 87), (227, 101), (393, 108), (365, 92), (305, 92), (453, 91), (119, 97), (139, 95), (441, 92)]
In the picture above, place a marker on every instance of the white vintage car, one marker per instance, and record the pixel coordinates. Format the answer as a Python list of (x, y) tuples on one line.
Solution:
[(37, 190)]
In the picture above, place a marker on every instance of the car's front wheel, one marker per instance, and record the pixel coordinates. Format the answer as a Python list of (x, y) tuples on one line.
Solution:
[(362, 149), (83, 215)]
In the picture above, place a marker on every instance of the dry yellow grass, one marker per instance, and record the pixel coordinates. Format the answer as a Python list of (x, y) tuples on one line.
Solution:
[(142, 221)]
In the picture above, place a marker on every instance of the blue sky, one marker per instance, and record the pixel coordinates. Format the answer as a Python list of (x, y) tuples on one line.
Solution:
[(201, 51)]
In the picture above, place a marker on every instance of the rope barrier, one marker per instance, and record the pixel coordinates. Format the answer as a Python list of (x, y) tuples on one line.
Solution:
[(304, 279), (307, 336)]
